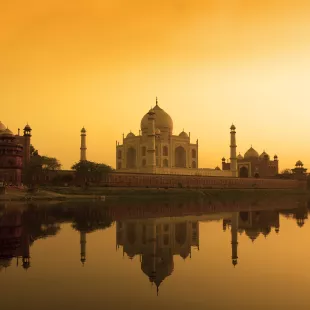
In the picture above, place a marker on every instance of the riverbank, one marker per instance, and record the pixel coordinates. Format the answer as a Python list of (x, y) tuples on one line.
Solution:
[(100, 193), (105, 193)]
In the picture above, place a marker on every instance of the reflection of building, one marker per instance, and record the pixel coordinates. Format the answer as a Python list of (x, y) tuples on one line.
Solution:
[(14, 154), (156, 241), (14, 240), (300, 214), (253, 223), (157, 150), (254, 165)]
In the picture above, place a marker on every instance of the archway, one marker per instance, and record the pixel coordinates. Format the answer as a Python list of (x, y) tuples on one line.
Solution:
[(180, 157), (131, 158), (143, 163), (165, 163), (193, 153), (131, 233), (244, 216), (244, 172), (180, 233), (143, 151), (165, 150), (194, 165)]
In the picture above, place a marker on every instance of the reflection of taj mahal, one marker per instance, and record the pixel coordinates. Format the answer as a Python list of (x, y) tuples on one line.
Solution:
[(156, 241)]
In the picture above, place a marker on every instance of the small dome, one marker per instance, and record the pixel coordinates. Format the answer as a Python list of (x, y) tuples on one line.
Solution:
[(264, 155), (239, 156), (223, 159), (299, 163), (27, 128), (2, 127), (157, 131), (251, 153), (252, 233), (163, 121), (83, 130), (217, 168), (6, 132), (130, 135), (232, 127), (183, 134)]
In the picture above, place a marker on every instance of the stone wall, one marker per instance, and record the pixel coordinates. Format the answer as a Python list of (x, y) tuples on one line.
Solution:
[(181, 171), (184, 181)]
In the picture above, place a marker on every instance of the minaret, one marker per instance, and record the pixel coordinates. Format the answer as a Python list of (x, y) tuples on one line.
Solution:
[(83, 145), (233, 151), (151, 155), (234, 238), (83, 246), (27, 137)]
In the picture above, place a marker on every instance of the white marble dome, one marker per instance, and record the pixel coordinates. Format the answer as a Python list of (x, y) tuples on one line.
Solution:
[(163, 121)]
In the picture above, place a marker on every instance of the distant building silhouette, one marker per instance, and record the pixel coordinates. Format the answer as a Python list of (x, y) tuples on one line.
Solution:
[(14, 154)]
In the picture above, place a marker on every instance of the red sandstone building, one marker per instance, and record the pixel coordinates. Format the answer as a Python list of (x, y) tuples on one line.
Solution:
[(254, 165), (14, 154)]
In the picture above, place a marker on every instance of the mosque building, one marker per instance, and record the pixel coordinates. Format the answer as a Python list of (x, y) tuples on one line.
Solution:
[(14, 154), (254, 165), (157, 150)]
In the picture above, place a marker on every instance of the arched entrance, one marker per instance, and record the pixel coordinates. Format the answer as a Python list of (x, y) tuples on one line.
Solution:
[(180, 233), (131, 158), (180, 157), (243, 172)]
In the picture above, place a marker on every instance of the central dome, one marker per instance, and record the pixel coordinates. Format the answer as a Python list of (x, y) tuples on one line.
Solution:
[(163, 121), (251, 153)]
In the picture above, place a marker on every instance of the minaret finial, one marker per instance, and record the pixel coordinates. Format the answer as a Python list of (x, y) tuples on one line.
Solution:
[(156, 101)]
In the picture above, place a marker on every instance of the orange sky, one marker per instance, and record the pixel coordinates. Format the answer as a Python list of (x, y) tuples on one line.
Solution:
[(100, 64)]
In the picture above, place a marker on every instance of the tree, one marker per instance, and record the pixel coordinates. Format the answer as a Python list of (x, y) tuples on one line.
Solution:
[(33, 170), (50, 163), (91, 171), (286, 171), (33, 151)]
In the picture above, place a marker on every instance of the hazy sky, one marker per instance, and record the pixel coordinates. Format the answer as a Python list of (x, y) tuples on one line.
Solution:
[(100, 64)]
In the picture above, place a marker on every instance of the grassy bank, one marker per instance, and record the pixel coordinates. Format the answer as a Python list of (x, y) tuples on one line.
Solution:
[(95, 193), (151, 193)]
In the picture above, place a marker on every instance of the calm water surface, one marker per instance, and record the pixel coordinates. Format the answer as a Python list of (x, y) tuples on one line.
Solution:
[(163, 256)]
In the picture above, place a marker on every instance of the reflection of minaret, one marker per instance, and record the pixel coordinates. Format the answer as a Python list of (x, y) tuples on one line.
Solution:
[(25, 251), (234, 238), (83, 144), (83, 246), (152, 250)]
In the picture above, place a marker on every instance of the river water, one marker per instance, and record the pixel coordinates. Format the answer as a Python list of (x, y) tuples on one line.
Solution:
[(196, 255)]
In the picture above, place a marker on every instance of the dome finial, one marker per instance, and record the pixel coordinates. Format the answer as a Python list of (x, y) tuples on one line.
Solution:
[(156, 100)]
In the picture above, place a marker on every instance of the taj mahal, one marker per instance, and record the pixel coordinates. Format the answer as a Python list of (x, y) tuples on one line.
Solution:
[(156, 149)]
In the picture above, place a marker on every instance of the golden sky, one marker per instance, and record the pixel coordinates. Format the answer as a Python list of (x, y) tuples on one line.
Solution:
[(100, 64)]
